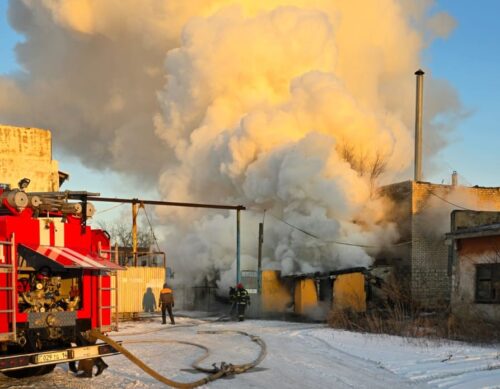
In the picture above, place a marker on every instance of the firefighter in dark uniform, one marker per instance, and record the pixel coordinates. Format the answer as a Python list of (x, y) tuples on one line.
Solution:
[(166, 304), (242, 299)]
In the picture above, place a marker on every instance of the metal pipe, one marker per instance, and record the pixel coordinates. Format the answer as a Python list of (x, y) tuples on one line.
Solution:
[(259, 258), (418, 124), (168, 203), (238, 208), (74, 208), (69, 194)]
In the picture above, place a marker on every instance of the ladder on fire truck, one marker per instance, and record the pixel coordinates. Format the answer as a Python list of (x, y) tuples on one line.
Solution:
[(111, 307), (8, 257), (111, 289)]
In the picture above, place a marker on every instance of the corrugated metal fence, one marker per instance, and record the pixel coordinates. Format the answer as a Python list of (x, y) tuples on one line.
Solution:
[(139, 288)]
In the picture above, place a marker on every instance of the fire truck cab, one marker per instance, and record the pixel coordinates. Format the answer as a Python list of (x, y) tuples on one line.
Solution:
[(55, 282)]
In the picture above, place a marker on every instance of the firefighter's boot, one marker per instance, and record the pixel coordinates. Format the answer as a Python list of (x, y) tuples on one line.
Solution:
[(101, 365)]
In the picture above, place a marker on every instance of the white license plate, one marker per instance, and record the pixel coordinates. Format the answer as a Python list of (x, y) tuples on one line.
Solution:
[(85, 352), (51, 357)]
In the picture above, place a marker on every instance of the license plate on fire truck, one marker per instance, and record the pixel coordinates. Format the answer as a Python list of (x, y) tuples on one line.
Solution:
[(51, 357)]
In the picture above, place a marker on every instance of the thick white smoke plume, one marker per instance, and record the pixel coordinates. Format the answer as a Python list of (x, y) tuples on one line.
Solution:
[(299, 108)]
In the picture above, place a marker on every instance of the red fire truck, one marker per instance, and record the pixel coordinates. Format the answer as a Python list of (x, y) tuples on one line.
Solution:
[(55, 281)]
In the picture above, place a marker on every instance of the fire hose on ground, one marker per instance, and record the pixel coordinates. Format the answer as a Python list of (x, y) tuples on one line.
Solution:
[(224, 370)]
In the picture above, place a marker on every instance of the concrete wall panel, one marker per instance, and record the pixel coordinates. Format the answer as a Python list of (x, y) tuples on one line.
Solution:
[(349, 292), (27, 152)]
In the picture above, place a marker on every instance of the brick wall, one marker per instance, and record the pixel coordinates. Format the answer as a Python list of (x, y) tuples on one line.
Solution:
[(430, 282)]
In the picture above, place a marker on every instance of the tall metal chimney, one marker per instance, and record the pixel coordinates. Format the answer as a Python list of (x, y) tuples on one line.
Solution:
[(454, 178), (418, 124)]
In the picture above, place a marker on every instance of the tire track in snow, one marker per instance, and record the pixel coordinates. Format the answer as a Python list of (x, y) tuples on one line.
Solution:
[(350, 369)]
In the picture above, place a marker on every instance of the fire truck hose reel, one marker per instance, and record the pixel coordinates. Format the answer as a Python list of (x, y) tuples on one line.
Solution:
[(15, 198), (225, 369)]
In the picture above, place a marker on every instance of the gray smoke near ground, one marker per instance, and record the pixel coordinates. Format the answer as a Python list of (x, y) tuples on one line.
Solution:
[(299, 108)]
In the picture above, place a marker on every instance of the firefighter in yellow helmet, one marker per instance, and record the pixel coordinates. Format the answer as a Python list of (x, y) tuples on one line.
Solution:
[(166, 301)]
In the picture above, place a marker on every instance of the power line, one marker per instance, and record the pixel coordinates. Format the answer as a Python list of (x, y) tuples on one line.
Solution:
[(330, 241), (110, 208), (151, 228), (453, 169), (449, 202), (428, 150), (463, 178)]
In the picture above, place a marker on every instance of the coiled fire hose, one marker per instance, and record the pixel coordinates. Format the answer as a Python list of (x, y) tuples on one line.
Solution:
[(225, 369)]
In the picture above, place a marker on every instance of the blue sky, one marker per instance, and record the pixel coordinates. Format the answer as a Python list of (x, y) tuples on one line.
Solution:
[(8, 40), (469, 59)]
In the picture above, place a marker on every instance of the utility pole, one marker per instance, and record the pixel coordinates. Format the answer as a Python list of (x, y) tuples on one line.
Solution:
[(259, 260), (238, 270), (135, 211)]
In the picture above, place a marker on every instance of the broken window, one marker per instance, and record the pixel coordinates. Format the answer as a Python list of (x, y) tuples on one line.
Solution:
[(488, 283)]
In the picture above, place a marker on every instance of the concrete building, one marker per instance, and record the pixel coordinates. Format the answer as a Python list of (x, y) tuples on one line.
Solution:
[(27, 152), (475, 253), (422, 212)]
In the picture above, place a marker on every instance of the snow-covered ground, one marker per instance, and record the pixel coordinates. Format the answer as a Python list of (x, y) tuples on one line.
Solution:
[(299, 355)]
